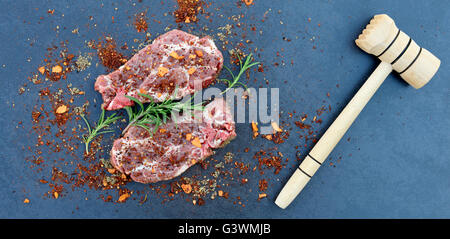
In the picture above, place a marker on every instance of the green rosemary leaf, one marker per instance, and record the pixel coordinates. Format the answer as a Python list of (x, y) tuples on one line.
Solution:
[(229, 71), (146, 96), (87, 124), (135, 100), (155, 114), (158, 113), (244, 67), (101, 124)]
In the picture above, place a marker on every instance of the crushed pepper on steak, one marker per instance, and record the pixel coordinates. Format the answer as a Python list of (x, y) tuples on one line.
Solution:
[(175, 59), (174, 147)]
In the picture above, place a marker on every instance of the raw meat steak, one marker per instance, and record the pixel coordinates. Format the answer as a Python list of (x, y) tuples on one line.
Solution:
[(175, 59), (174, 147)]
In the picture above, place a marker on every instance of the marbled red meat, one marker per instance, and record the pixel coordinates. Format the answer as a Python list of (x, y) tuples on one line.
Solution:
[(175, 60), (174, 147)]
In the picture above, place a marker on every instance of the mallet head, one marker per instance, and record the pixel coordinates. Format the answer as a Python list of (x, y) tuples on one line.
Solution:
[(383, 39)]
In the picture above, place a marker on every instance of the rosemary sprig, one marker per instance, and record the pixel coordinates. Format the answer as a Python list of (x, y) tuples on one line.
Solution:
[(158, 113), (101, 124), (243, 67), (155, 113)]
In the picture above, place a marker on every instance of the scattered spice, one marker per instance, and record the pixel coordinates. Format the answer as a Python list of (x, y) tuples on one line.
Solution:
[(263, 185), (83, 62), (268, 160), (279, 137), (57, 129), (188, 10), (140, 22), (108, 54)]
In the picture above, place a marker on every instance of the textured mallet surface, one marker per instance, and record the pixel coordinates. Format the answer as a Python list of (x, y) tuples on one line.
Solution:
[(382, 38)]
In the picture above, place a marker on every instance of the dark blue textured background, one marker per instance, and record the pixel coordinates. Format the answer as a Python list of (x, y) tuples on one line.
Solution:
[(395, 165)]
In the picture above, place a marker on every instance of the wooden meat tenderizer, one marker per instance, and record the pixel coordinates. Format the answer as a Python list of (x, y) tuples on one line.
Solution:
[(397, 51)]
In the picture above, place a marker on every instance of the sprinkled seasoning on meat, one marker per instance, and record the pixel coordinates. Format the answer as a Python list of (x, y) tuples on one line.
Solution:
[(174, 147), (175, 60)]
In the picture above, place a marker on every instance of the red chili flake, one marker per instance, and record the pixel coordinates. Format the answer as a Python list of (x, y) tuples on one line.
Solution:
[(302, 125), (36, 115), (268, 160), (226, 195), (43, 181), (279, 137), (140, 22), (263, 185), (244, 181), (200, 202), (260, 68)]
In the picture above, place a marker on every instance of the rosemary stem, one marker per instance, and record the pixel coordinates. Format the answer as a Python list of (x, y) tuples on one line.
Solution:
[(243, 68), (101, 124), (130, 124), (233, 83)]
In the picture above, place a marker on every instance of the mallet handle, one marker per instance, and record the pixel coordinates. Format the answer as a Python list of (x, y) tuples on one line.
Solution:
[(334, 133)]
